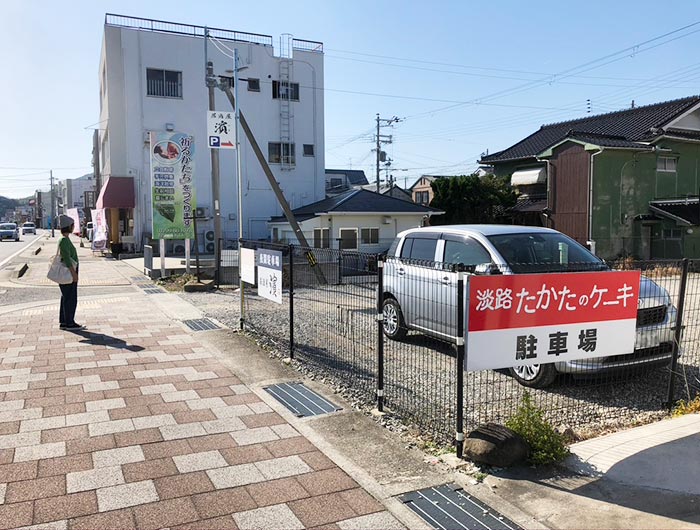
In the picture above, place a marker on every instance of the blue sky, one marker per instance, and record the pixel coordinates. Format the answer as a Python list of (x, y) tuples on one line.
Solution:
[(464, 76)]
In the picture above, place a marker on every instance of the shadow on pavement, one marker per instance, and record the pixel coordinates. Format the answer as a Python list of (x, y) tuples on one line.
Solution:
[(661, 480), (100, 339)]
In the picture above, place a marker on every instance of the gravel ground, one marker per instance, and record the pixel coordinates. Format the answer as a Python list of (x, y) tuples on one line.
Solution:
[(335, 341)]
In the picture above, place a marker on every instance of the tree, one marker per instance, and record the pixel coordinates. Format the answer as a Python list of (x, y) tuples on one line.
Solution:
[(471, 199)]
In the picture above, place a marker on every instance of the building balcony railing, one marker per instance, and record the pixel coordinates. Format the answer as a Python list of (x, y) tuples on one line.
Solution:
[(186, 29), (198, 31)]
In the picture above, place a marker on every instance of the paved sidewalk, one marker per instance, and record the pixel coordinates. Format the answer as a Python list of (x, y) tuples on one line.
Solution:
[(135, 423)]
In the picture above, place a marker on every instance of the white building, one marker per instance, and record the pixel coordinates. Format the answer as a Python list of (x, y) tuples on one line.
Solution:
[(72, 191), (152, 78)]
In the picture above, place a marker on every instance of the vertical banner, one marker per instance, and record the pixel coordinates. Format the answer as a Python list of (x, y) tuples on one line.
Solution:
[(172, 180), (270, 274), (73, 214), (99, 229)]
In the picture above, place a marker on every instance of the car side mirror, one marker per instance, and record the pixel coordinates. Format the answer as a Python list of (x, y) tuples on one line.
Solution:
[(486, 269)]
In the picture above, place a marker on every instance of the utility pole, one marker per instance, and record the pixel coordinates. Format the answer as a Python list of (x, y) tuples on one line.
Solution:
[(382, 139), (53, 215)]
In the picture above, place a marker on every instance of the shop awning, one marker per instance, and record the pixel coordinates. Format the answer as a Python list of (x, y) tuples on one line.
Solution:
[(117, 192), (683, 211)]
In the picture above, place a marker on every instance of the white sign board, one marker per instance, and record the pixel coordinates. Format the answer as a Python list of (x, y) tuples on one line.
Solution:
[(247, 265), (221, 129), (525, 319), (270, 274)]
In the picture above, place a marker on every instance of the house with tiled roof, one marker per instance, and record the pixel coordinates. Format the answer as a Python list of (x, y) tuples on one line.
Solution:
[(625, 182), (358, 219)]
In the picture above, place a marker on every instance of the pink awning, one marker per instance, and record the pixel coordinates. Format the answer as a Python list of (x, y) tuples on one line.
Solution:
[(117, 192)]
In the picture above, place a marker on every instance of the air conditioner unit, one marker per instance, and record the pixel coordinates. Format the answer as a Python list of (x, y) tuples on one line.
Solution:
[(210, 247), (201, 211), (209, 236), (179, 248), (386, 220)]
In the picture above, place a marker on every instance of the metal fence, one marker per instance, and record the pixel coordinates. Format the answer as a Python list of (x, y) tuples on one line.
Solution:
[(329, 321)]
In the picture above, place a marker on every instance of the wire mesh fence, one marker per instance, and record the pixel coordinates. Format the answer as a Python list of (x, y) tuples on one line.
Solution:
[(330, 322)]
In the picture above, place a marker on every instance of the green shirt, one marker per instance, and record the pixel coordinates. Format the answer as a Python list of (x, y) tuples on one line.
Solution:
[(69, 255)]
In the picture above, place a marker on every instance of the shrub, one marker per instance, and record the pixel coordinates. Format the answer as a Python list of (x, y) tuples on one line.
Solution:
[(546, 444), (686, 407)]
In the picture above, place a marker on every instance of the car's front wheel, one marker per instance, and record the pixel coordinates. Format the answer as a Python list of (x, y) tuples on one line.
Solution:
[(534, 375), (393, 322)]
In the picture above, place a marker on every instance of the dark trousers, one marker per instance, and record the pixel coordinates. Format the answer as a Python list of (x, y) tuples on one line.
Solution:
[(69, 301)]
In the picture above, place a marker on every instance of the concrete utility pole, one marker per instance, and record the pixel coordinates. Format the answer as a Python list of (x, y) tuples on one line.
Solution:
[(274, 185), (53, 214), (215, 178), (382, 139)]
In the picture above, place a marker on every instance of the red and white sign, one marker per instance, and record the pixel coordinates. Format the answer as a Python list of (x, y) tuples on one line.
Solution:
[(526, 319)]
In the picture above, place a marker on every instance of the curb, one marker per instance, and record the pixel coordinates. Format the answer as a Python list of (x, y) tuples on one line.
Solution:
[(20, 270)]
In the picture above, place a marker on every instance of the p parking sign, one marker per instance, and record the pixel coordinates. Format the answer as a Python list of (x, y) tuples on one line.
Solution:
[(221, 130)]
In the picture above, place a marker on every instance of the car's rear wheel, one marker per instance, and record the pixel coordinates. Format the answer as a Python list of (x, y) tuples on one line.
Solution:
[(393, 323), (534, 375)]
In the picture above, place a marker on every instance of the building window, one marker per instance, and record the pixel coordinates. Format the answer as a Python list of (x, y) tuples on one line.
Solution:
[(253, 85), (672, 233), (163, 83), (322, 238), (666, 163), (348, 238), (308, 149), (285, 90), (278, 153), (422, 197), (336, 182), (369, 236)]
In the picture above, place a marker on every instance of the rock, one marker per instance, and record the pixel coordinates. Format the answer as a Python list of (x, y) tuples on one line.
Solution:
[(495, 445)]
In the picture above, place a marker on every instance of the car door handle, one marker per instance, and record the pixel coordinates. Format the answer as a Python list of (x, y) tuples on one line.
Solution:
[(400, 272), (445, 280)]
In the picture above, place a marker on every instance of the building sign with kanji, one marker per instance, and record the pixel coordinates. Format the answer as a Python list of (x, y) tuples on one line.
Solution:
[(269, 274), (544, 318), (221, 129)]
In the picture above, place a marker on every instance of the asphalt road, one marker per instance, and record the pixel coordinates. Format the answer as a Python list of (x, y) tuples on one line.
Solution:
[(9, 248)]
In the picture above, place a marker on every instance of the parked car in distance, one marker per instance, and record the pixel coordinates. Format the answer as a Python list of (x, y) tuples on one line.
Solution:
[(9, 231), (28, 228), (415, 277)]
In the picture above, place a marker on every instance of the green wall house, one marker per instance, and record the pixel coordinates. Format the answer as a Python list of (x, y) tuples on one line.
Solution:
[(625, 183)]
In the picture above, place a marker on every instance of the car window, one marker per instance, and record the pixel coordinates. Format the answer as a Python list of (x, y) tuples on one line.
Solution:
[(544, 252), (8, 227), (467, 252), (423, 249), (406, 248)]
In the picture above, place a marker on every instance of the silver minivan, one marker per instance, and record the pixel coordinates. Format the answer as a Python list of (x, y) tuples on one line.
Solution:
[(420, 293)]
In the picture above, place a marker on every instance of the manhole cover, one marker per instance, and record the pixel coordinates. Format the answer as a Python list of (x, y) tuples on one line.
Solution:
[(300, 400), (449, 507)]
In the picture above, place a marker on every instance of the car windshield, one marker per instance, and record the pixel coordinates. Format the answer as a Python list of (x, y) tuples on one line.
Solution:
[(544, 252), (28, 225), (8, 227)]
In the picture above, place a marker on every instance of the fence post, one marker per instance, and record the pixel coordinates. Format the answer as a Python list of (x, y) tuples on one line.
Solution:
[(340, 265), (459, 426), (380, 335), (677, 334), (291, 301)]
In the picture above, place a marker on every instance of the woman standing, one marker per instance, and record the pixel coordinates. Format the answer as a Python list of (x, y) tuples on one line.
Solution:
[(69, 292)]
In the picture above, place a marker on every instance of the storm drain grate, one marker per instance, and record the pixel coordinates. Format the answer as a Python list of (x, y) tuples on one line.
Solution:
[(449, 507), (300, 400), (153, 290), (201, 324)]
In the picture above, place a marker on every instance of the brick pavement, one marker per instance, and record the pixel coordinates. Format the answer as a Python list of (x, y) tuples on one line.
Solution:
[(135, 423)]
